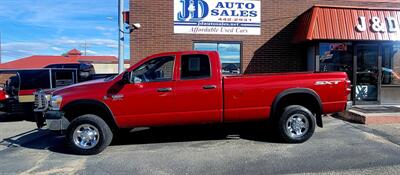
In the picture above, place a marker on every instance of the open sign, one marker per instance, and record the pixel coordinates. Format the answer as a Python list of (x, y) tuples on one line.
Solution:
[(338, 47)]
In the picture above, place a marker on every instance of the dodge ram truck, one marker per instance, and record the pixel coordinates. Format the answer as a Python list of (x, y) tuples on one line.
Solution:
[(188, 88)]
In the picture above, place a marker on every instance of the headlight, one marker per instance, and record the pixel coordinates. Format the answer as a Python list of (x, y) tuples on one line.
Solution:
[(55, 102)]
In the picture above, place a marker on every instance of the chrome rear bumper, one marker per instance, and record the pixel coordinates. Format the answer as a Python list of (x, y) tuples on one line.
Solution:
[(349, 105)]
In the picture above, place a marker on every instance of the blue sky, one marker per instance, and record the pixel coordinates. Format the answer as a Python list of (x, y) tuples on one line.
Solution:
[(52, 27)]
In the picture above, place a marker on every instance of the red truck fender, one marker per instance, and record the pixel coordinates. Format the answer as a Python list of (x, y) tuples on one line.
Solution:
[(299, 96), (87, 106)]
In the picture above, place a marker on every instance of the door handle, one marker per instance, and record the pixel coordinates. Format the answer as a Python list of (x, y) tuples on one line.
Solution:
[(164, 90), (210, 87)]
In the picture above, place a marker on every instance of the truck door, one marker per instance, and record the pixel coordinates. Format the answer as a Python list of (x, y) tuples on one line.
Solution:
[(149, 100), (198, 90)]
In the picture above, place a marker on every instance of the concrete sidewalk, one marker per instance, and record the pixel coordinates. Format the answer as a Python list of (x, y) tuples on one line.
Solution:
[(372, 115)]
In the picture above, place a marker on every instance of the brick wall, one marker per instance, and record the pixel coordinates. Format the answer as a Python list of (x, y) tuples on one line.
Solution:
[(4, 77), (272, 51)]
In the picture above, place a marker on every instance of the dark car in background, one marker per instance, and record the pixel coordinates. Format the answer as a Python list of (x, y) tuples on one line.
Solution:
[(19, 86)]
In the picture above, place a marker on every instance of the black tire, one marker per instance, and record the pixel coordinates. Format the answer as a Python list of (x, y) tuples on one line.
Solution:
[(300, 119), (105, 134)]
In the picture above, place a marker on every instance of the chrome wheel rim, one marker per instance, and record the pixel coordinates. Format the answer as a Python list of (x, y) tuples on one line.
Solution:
[(297, 125), (86, 136)]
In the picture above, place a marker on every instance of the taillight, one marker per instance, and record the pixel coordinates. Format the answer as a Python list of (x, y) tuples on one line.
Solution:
[(348, 87)]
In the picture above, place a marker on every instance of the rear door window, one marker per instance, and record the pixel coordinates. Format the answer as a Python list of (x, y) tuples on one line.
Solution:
[(195, 67)]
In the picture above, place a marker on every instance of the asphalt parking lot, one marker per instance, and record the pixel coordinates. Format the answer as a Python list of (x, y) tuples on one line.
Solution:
[(339, 147)]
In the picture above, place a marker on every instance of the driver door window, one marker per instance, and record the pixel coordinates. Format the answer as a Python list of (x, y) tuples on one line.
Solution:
[(155, 70), (151, 100)]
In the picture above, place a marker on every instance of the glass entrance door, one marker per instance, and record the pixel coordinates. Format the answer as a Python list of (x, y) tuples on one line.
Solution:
[(367, 74)]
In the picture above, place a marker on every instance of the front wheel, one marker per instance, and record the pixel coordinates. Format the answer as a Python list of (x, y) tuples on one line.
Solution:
[(297, 124), (88, 135)]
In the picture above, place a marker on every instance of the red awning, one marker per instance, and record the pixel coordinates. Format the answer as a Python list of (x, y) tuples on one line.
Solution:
[(349, 23)]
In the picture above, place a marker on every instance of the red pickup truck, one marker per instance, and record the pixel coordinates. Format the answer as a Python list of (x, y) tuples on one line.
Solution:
[(185, 88)]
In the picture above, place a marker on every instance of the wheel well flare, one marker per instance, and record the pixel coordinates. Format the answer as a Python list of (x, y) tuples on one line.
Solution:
[(304, 97), (82, 107)]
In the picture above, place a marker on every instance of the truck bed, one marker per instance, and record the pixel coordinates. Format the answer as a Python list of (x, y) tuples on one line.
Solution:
[(251, 96)]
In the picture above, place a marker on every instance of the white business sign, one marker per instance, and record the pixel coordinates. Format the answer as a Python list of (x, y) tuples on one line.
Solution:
[(389, 24), (224, 17)]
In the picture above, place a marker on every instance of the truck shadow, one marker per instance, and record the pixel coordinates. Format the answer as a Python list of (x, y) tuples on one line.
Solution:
[(26, 139), (4, 117), (46, 140), (248, 131)]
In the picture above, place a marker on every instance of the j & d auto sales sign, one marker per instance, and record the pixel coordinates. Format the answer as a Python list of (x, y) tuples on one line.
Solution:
[(224, 17)]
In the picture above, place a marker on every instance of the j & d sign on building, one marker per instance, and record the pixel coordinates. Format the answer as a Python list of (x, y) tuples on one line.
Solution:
[(389, 24), (225, 17)]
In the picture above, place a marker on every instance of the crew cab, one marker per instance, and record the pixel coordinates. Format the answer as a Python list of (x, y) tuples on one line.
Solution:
[(186, 88)]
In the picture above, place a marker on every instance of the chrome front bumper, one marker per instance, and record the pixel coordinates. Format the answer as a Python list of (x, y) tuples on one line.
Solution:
[(55, 121)]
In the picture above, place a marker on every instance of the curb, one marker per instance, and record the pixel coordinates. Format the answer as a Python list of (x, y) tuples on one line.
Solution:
[(375, 118)]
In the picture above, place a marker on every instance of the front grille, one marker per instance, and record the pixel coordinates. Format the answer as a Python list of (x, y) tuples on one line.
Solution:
[(41, 102)]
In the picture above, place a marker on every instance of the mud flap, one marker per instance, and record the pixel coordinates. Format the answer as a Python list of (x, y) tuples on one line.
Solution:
[(40, 121), (319, 121)]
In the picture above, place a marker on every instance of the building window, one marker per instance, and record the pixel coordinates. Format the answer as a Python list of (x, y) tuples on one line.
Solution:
[(391, 65), (230, 54), (336, 57)]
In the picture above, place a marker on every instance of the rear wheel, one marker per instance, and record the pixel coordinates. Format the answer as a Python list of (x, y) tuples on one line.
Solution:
[(297, 124), (88, 135)]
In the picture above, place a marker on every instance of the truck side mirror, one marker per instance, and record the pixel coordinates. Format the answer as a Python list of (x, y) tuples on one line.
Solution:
[(127, 77)]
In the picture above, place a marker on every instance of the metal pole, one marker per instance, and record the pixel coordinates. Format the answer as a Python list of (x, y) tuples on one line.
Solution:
[(121, 37)]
